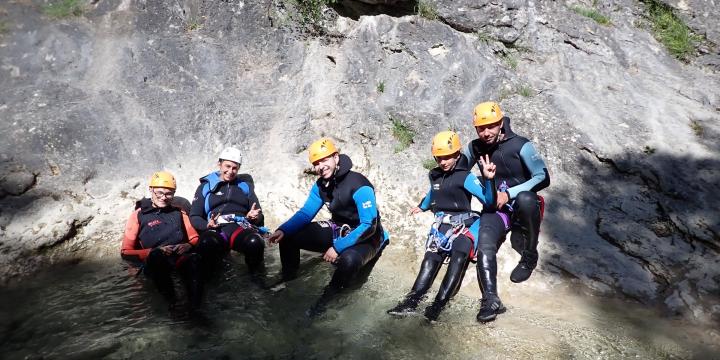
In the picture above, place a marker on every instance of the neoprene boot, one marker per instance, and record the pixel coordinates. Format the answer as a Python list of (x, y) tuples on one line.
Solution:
[(525, 235), (407, 306), (194, 283), (158, 269), (491, 305), (320, 305), (450, 283)]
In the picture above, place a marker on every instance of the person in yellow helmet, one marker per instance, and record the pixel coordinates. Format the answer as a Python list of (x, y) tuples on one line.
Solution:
[(521, 173), (451, 187), (159, 236), (352, 239)]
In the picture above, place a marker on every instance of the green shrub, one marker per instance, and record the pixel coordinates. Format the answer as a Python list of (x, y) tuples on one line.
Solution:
[(426, 9), (4, 27), (592, 14), (380, 87), (429, 164), (64, 8), (671, 31), (402, 133)]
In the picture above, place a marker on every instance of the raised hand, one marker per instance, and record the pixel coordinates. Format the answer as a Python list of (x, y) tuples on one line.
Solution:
[(212, 223), (488, 167), (254, 212)]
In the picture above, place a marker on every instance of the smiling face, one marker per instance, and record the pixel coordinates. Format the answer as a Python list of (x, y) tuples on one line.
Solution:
[(490, 133), (228, 170), (447, 162), (161, 197), (326, 166)]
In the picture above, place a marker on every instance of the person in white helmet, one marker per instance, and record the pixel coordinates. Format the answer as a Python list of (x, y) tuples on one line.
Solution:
[(227, 213)]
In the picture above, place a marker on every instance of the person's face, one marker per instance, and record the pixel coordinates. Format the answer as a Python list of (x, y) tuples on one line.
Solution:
[(490, 133), (228, 170), (161, 197), (447, 162), (325, 167)]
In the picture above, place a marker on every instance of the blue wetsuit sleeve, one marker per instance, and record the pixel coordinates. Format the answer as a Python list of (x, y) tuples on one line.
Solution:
[(303, 216), (367, 210), (198, 217), (539, 176), (426, 201), (467, 151), (484, 193)]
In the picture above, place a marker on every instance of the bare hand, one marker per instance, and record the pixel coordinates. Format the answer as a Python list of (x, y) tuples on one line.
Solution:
[(182, 248), (167, 249), (502, 199), (276, 237), (212, 223), (330, 255), (488, 167), (254, 212), (415, 210)]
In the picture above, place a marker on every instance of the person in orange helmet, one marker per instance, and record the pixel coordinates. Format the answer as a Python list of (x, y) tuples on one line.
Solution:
[(160, 237), (352, 240)]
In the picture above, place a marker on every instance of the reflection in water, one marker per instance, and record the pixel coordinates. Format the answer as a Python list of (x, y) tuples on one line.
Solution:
[(99, 310)]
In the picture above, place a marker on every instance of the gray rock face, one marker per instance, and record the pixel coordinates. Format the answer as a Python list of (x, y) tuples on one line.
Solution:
[(91, 106)]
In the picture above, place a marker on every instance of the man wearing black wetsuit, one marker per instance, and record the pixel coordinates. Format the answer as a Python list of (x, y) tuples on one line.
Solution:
[(521, 173)]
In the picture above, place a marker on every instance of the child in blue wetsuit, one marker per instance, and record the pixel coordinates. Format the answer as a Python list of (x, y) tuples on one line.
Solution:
[(451, 188), (352, 239)]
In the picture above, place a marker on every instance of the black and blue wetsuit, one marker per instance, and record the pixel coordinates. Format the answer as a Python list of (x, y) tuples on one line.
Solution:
[(449, 195), (350, 198), (215, 196), (521, 173)]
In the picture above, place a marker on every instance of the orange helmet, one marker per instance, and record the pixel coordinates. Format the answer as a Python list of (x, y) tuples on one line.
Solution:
[(445, 143), (321, 149), (487, 113), (163, 179)]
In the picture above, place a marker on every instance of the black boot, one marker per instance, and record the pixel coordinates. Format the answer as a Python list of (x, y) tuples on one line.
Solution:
[(524, 268), (191, 271), (491, 305), (407, 306), (433, 311), (525, 233), (320, 305)]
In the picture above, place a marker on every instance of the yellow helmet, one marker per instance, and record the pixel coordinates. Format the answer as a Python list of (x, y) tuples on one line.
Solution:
[(162, 179), (445, 143), (321, 149), (487, 113)]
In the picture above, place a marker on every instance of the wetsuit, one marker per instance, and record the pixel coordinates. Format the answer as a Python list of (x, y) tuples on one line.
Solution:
[(449, 199), (215, 196), (350, 198), (521, 173), (150, 228)]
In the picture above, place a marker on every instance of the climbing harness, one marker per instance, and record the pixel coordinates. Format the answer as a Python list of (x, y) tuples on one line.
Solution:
[(438, 241)]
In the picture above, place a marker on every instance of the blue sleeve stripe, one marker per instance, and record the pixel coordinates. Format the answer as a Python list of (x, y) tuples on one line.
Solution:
[(303, 216), (534, 162), (486, 194), (425, 204), (367, 210)]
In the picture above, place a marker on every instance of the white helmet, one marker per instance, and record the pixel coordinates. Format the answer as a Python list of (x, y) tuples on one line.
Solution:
[(231, 154)]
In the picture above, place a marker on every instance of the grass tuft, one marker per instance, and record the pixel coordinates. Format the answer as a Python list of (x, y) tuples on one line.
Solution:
[(429, 164), (426, 9), (697, 128), (509, 60), (592, 14), (380, 87), (526, 91), (649, 150), (64, 8), (483, 37), (402, 133), (671, 31)]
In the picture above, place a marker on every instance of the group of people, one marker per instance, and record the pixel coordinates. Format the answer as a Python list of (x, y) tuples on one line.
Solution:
[(226, 214)]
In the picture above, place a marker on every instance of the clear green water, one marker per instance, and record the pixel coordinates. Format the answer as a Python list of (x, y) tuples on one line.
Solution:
[(95, 310)]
